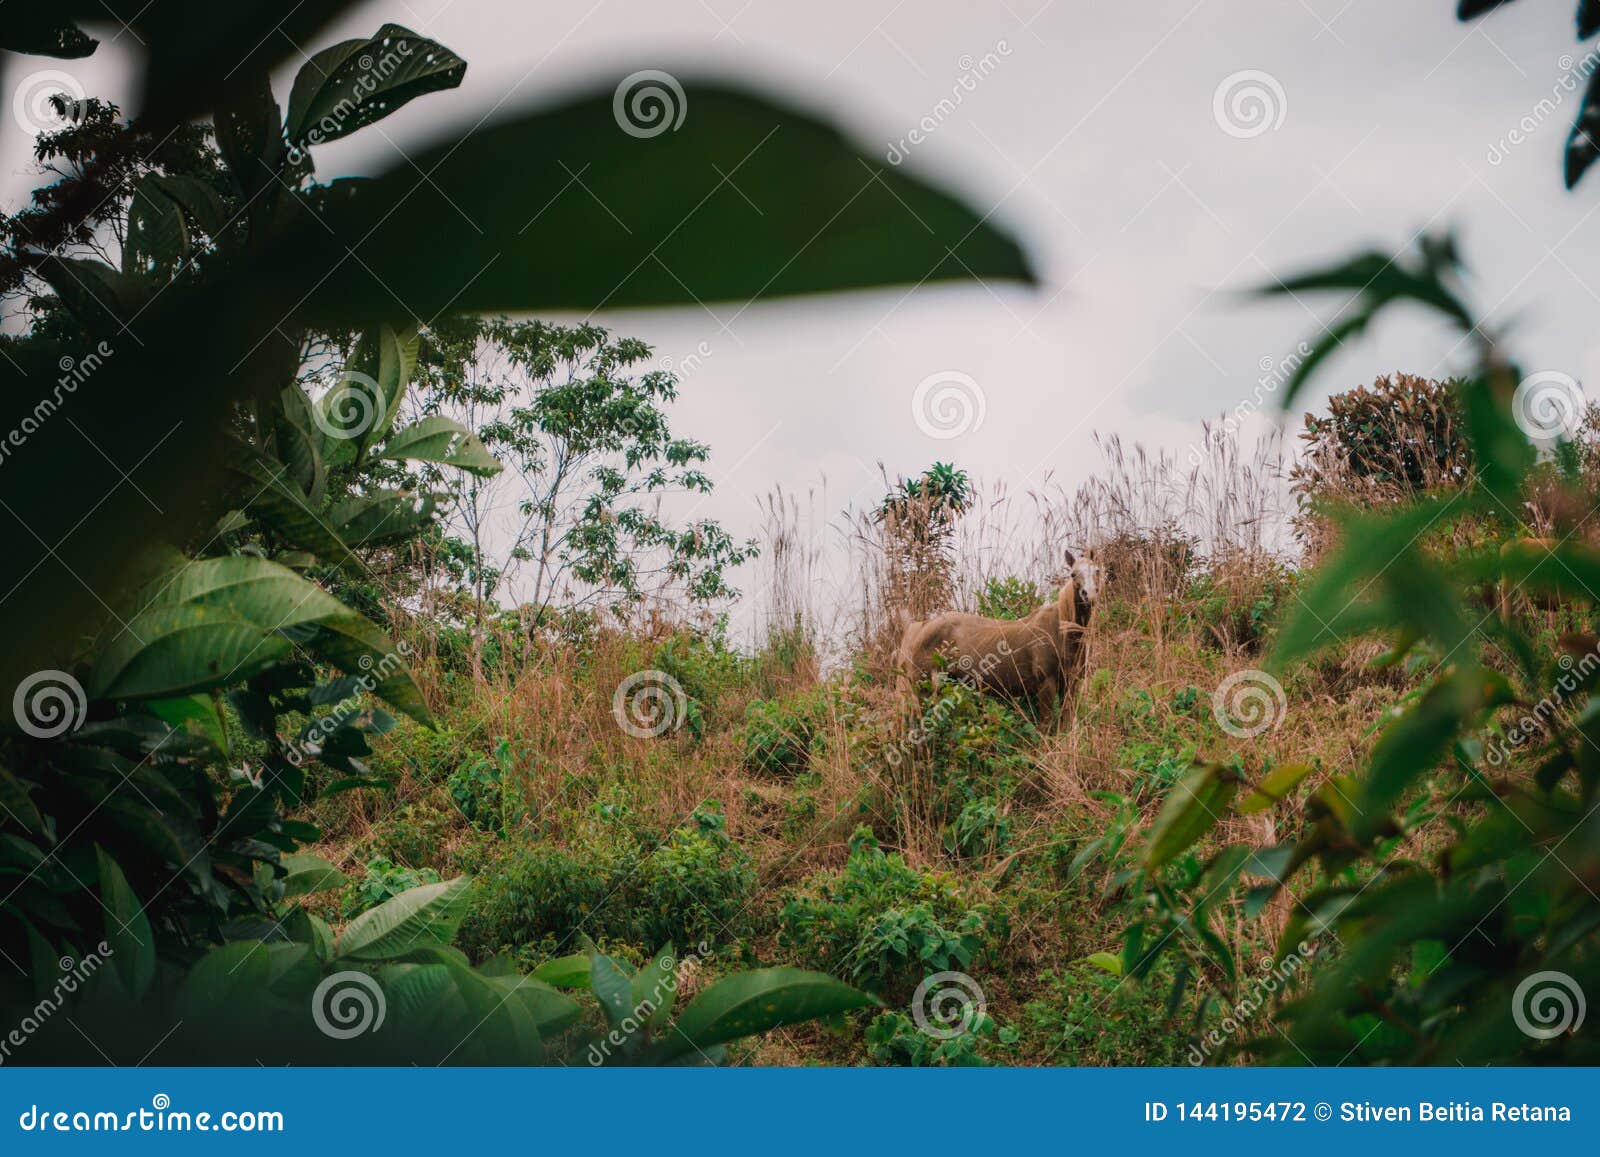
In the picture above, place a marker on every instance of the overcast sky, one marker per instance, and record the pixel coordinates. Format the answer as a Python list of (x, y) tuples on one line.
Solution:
[(1094, 134)]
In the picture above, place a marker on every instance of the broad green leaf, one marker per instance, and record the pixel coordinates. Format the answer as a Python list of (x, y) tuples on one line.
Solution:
[(754, 1002), (743, 199), (356, 82), (103, 298), (157, 242), (440, 439), (201, 710), (565, 971), (612, 989), (1274, 787), (199, 200), (425, 915), (300, 444), (171, 650), (277, 599), (268, 493), (655, 988), (308, 873), (382, 516), (1193, 806), (550, 1010), (128, 934), (45, 34), (1106, 961)]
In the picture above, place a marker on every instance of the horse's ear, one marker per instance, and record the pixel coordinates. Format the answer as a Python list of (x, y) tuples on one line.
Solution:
[(1071, 561)]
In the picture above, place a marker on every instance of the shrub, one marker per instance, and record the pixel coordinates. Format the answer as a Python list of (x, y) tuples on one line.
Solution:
[(414, 834), (384, 880), (1009, 598), (477, 787), (778, 734), (896, 1039), (616, 884), (881, 922)]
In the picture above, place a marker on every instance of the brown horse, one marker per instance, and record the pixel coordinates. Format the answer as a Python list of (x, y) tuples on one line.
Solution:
[(1040, 658)]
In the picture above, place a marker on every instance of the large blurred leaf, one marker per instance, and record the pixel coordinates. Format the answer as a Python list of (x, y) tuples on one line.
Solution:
[(1195, 804), (564, 208), (38, 33)]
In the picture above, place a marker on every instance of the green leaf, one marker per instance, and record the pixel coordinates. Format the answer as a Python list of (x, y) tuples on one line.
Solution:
[(744, 199), (308, 873), (359, 409), (39, 34), (440, 439), (356, 82), (754, 1002), (103, 298), (198, 199), (201, 710), (612, 989), (1193, 806), (655, 987), (1274, 787), (425, 915), (128, 934), (272, 597), (270, 494), (565, 971), (157, 242), (382, 516), (167, 650), (1106, 961)]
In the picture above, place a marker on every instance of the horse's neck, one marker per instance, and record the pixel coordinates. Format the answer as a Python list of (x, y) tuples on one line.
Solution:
[(1067, 602)]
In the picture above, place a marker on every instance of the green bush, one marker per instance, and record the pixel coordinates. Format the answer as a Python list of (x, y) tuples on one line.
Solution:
[(881, 922), (383, 881), (896, 1039), (477, 786), (1086, 1016), (615, 884), (779, 734), (1009, 598), (414, 834)]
